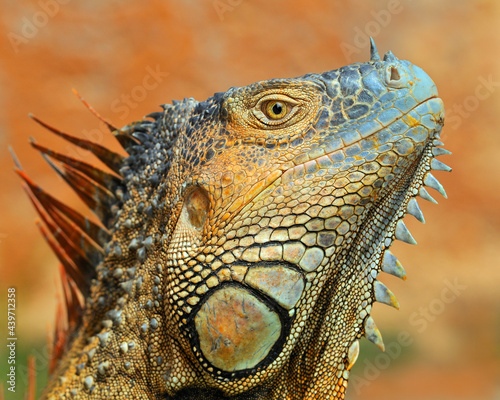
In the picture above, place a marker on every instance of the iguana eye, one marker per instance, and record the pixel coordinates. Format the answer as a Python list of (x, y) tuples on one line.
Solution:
[(275, 109)]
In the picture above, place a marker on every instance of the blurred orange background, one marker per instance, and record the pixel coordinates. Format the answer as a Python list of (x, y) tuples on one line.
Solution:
[(127, 57)]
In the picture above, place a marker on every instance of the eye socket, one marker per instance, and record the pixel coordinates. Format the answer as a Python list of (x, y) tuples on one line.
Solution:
[(275, 109)]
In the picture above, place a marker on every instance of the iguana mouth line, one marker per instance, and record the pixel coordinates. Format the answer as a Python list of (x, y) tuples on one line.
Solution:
[(384, 235), (394, 120), (372, 133), (284, 175), (303, 165)]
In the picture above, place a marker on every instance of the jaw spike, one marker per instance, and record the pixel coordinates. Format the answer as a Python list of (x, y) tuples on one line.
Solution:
[(384, 295), (439, 166), (353, 354), (402, 233), (432, 182), (439, 151), (373, 334), (426, 196), (414, 209), (392, 266), (374, 56)]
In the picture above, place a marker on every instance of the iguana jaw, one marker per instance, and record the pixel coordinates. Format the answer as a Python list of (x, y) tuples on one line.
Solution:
[(367, 257)]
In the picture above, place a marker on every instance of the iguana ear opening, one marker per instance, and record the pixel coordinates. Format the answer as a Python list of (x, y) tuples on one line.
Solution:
[(197, 206)]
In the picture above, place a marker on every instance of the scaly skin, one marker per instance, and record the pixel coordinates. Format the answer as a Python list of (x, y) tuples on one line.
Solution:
[(246, 233)]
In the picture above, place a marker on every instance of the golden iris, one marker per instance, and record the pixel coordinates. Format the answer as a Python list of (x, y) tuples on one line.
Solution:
[(276, 109)]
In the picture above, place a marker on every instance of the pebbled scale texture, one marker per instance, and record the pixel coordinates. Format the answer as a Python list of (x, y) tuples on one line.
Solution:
[(241, 237)]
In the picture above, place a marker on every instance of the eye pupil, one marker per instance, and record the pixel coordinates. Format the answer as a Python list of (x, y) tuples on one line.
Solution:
[(277, 108)]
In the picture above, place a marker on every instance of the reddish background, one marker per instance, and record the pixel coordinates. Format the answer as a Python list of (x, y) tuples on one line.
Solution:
[(105, 50)]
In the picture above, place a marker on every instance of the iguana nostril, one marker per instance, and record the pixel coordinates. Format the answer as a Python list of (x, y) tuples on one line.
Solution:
[(196, 206), (394, 74)]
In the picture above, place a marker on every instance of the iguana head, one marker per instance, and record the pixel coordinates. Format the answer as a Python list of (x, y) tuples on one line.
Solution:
[(246, 233)]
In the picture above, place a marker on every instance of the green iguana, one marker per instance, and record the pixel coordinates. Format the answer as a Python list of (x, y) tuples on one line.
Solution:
[(241, 236)]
